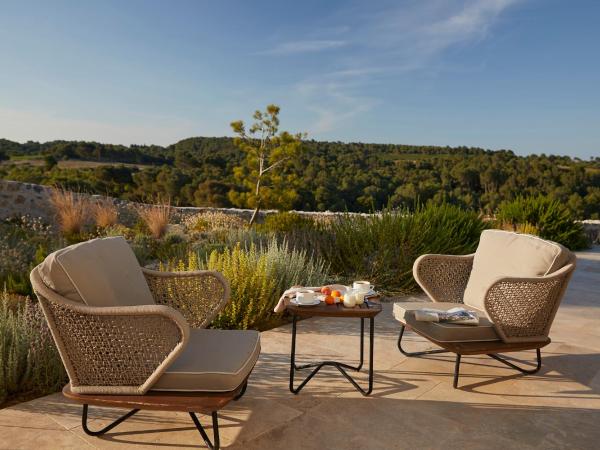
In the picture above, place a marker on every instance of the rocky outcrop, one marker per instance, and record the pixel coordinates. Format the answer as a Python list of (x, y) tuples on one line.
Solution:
[(18, 199)]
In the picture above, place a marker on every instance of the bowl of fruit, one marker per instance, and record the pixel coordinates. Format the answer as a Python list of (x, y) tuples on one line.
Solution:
[(333, 293)]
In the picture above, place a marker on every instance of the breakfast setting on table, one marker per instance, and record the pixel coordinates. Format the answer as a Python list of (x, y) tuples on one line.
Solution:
[(360, 294)]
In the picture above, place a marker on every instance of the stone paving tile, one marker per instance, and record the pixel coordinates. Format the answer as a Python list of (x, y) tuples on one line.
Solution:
[(15, 438)]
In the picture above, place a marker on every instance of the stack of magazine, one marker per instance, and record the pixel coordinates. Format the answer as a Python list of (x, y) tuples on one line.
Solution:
[(458, 315)]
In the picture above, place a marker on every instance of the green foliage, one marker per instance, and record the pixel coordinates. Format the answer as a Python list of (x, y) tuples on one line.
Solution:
[(213, 221), (356, 177), (258, 274), (382, 248), (545, 217), (264, 174), (29, 362), (286, 222), (24, 243), (50, 162)]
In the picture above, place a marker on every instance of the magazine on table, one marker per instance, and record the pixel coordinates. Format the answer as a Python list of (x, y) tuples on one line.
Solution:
[(458, 315)]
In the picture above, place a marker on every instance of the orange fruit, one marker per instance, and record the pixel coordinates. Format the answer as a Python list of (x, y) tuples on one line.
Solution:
[(336, 294), (329, 300), (326, 290)]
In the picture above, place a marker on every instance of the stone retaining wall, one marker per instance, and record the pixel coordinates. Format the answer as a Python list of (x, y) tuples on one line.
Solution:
[(17, 199)]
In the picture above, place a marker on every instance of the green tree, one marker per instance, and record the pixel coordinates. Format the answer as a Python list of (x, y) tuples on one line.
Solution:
[(264, 172), (50, 162)]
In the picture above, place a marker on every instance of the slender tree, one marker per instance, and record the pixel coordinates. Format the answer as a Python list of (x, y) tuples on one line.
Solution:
[(264, 171)]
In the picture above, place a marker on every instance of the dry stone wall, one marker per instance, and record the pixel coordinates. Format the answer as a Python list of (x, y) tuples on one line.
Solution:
[(18, 199)]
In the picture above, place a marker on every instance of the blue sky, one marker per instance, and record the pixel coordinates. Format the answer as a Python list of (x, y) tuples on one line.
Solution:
[(518, 74)]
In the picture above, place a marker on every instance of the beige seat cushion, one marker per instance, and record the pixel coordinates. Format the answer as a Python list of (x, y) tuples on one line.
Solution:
[(213, 361), (100, 272), (506, 254), (446, 332)]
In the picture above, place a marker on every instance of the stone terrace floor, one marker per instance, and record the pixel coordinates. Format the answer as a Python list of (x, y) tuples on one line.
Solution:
[(413, 404)]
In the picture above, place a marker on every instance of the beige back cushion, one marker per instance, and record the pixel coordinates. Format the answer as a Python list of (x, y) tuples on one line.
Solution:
[(507, 254), (100, 272)]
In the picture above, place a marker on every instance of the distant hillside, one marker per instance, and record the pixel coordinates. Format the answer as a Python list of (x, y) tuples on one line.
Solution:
[(332, 175)]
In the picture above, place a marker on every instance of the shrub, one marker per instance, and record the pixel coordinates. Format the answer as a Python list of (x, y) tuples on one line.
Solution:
[(258, 275), (383, 247), (24, 243), (286, 222), (212, 221), (105, 213), (117, 230), (29, 362), (544, 217), (71, 211), (156, 218)]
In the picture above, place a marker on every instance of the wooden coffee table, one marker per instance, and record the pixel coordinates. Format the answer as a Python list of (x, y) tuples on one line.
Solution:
[(367, 310)]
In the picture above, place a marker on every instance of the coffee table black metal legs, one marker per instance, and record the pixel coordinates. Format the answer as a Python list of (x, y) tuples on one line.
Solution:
[(338, 365)]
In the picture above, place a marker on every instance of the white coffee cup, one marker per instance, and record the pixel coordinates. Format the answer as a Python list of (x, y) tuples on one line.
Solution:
[(362, 286), (305, 297)]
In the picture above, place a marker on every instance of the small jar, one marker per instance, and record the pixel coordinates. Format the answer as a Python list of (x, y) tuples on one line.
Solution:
[(349, 299)]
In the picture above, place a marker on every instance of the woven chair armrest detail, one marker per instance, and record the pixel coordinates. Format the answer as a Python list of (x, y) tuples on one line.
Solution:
[(443, 277), (112, 350), (523, 308), (198, 295), (116, 350)]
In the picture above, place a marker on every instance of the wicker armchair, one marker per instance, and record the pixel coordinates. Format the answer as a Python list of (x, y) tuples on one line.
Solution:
[(137, 338), (513, 282)]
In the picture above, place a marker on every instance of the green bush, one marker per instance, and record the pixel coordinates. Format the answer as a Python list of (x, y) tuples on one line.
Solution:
[(213, 220), (24, 243), (285, 222), (545, 217), (258, 275), (383, 247), (29, 362)]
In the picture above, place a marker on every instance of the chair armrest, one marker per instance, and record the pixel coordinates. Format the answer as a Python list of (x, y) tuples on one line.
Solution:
[(198, 295), (443, 277), (523, 309), (114, 350)]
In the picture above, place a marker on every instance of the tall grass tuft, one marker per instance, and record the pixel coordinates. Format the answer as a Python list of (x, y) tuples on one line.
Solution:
[(29, 362), (105, 213), (156, 218), (71, 211)]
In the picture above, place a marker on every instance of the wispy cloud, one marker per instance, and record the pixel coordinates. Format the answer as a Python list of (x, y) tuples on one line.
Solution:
[(387, 41), (307, 46)]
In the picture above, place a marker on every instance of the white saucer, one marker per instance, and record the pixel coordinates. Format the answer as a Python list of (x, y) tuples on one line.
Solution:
[(295, 302)]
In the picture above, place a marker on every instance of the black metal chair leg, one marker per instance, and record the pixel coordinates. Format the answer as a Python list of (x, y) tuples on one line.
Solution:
[(520, 369), (106, 428), (405, 353), (456, 370), (216, 444)]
